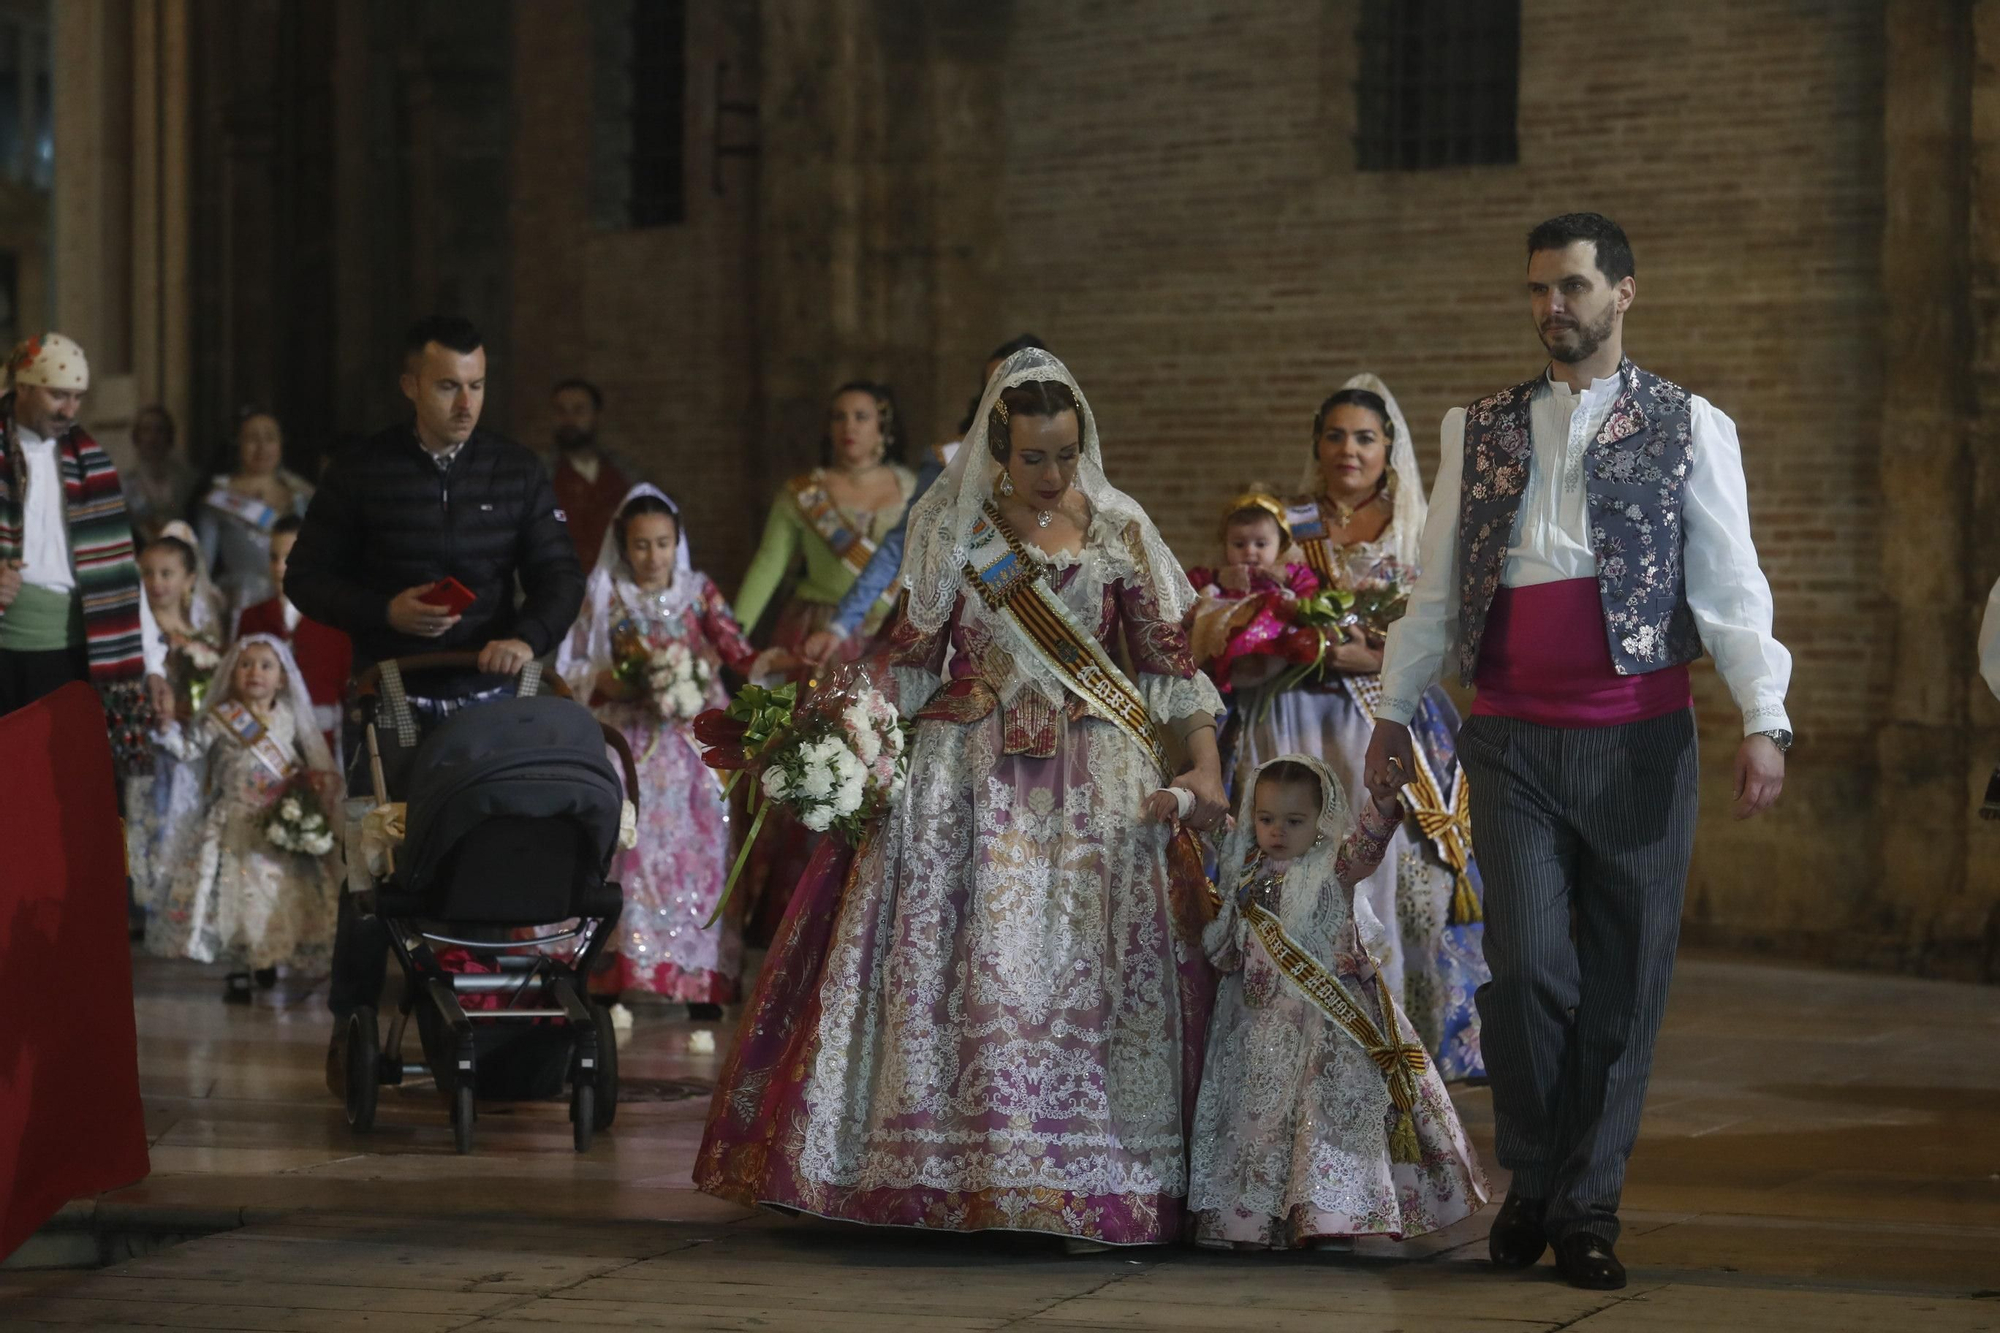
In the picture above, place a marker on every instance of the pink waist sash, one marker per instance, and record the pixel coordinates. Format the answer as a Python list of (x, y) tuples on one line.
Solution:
[(1544, 659)]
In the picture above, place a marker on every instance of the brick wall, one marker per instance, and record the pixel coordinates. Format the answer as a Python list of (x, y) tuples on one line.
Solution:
[(662, 319), (1183, 223), (1166, 192)]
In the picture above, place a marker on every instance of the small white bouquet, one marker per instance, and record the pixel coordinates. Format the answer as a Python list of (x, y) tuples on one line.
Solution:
[(678, 679), (844, 771), (297, 822)]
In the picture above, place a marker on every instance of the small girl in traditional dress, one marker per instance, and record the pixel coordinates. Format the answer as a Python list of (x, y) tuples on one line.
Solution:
[(1244, 604), (234, 895), (647, 652), (1300, 1138), (187, 615)]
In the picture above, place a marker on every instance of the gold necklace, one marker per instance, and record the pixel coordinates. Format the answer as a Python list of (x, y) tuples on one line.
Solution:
[(1343, 513)]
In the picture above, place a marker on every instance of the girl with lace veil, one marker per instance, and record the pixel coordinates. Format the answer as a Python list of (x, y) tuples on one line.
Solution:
[(234, 896), (1320, 1117), (162, 805), (1357, 522), (994, 1020), (643, 597)]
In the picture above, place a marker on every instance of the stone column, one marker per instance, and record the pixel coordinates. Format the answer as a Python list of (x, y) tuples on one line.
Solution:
[(1920, 910)]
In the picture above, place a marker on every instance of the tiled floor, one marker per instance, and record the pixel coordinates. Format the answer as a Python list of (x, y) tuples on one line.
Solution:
[(1822, 1152)]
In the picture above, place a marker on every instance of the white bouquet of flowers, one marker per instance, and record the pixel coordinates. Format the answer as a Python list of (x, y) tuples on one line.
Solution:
[(837, 762), (845, 770), (678, 678), (297, 822)]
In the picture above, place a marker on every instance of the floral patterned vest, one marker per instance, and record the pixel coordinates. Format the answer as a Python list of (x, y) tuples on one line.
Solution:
[(1635, 474)]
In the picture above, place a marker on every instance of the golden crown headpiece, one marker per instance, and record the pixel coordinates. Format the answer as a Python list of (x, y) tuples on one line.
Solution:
[(1264, 502)]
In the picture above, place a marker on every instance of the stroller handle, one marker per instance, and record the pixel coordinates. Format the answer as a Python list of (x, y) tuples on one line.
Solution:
[(369, 684)]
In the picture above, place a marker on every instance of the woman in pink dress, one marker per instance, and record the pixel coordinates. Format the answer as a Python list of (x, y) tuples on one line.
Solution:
[(993, 1019)]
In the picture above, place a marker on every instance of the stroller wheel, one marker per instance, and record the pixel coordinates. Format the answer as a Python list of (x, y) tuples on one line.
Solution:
[(583, 1114), (364, 1055), (607, 1067), (461, 1117)]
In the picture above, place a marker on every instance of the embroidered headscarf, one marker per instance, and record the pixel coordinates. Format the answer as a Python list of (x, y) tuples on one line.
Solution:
[(1406, 529), (305, 728), (49, 362)]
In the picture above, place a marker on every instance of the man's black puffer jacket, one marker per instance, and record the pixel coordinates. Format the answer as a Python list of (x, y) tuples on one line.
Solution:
[(387, 518)]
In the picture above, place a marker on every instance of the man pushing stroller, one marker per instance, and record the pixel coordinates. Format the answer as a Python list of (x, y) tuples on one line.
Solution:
[(413, 544)]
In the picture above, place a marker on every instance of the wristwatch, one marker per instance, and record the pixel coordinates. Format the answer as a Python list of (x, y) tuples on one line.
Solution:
[(1779, 737)]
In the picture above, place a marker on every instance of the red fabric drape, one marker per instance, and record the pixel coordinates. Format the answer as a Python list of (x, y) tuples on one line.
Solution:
[(70, 1118)]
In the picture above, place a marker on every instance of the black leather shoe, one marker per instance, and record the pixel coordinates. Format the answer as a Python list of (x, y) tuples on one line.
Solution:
[(1517, 1239), (1587, 1262)]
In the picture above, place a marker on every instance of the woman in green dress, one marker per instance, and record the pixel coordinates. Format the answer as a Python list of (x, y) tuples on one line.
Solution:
[(831, 519)]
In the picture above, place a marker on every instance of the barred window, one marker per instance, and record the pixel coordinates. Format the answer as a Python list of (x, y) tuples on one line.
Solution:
[(639, 148), (1438, 83)]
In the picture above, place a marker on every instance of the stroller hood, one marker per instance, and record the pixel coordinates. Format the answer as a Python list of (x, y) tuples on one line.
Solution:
[(539, 757)]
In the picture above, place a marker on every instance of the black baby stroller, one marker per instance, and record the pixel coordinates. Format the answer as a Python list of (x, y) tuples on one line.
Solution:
[(512, 817)]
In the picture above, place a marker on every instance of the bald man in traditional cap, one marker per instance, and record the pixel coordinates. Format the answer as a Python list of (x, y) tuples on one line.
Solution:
[(71, 607)]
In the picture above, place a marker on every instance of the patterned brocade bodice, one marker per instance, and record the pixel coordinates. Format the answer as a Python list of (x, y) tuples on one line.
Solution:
[(984, 674)]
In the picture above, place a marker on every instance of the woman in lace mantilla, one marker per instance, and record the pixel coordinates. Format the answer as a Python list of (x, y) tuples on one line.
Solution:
[(1357, 522), (996, 1022)]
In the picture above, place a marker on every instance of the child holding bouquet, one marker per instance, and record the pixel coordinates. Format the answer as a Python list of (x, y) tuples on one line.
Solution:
[(647, 653), (163, 805), (1321, 1116), (256, 885)]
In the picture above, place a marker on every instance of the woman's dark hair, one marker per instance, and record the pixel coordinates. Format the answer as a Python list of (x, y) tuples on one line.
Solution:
[(1036, 398), (1290, 772), (885, 411), (190, 560), (638, 508), (1006, 349), (1363, 398), (287, 523)]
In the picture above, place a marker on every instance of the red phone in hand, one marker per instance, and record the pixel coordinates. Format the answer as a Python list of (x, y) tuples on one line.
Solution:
[(450, 594)]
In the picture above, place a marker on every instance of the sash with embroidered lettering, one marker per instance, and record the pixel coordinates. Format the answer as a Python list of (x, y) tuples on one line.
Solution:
[(824, 517), (1008, 579), (237, 505), (1310, 535), (1401, 1062), (242, 726)]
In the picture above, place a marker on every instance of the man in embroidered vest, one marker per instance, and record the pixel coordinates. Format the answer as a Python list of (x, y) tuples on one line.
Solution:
[(587, 483), (1589, 536), (70, 603)]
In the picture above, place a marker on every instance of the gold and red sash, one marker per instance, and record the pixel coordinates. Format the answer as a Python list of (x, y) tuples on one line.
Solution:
[(1008, 579), (242, 726), (1401, 1063), (1309, 534), (824, 517), (1448, 826)]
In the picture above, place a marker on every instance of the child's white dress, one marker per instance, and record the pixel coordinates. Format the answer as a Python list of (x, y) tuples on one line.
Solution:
[(232, 896), (1292, 1131)]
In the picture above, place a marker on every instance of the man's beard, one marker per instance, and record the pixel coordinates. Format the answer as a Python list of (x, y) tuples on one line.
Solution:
[(570, 440), (1585, 339)]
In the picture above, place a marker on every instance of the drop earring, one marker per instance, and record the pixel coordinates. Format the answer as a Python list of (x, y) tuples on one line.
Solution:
[(1007, 485)]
